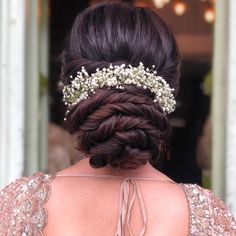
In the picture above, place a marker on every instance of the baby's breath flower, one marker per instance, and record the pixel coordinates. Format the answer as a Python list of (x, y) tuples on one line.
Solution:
[(118, 76)]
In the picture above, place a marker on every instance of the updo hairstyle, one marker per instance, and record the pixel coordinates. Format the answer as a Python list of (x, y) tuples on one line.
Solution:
[(122, 128)]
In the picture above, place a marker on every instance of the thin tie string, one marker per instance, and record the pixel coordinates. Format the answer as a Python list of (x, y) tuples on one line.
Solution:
[(126, 202), (126, 205), (124, 197), (143, 209)]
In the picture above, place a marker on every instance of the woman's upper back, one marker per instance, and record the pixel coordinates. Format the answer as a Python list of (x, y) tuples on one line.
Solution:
[(114, 205), (92, 208)]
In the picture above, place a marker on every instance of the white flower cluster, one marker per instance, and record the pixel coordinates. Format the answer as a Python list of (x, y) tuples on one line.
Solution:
[(118, 76)]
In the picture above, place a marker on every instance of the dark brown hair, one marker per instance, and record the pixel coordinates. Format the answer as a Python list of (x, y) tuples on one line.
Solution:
[(123, 128)]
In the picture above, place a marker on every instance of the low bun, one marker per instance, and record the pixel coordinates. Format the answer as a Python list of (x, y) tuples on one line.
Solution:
[(119, 128), (122, 128)]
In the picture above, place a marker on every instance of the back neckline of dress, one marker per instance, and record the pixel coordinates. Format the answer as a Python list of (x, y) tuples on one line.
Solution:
[(112, 177)]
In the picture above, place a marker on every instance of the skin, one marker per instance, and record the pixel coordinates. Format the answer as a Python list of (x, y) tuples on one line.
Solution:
[(90, 206)]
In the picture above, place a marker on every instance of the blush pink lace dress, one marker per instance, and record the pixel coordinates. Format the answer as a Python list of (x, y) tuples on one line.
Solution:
[(23, 214)]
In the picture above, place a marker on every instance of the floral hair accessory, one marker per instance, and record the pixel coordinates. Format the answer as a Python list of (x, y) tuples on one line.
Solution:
[(83, 85)]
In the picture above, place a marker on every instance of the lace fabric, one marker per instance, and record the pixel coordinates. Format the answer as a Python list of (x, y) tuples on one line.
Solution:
[(21, 206), (23, 213), (208, 214)]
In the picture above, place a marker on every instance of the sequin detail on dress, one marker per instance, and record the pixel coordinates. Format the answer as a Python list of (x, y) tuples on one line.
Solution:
[(208, 214), (21, 206), (23, 214)]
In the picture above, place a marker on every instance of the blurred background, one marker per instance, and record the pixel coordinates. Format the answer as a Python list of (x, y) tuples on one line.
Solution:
[(32, 134)]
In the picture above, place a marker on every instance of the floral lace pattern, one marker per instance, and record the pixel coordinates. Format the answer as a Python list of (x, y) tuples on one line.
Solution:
[(21, 206), (208, 214), (23, 214)]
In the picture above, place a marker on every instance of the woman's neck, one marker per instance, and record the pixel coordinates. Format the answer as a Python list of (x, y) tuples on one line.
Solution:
[(84, 167)]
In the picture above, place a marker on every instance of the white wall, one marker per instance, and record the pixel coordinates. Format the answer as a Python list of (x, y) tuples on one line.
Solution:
[(231, 110), (12, 91), (23, 109), (224, 103)]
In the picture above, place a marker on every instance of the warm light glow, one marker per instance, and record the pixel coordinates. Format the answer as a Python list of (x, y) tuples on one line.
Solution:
[(159, 3), (141, 4), (209, 15), (166, 1), (180, 8)]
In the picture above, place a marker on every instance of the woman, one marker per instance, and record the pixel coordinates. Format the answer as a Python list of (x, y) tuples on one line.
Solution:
[(120, 71)]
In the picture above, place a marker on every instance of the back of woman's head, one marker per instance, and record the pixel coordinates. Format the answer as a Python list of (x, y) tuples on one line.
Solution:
[(124, 128)]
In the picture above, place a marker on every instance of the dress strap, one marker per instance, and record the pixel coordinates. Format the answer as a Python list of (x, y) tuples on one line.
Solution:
[(111, 177), (89, 175)]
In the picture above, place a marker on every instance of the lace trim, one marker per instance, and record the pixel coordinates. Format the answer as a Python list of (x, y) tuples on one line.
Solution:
[(208, 214), (21, 206)]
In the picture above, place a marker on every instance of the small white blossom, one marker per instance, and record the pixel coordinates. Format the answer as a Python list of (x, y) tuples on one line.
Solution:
[(119, 76)]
